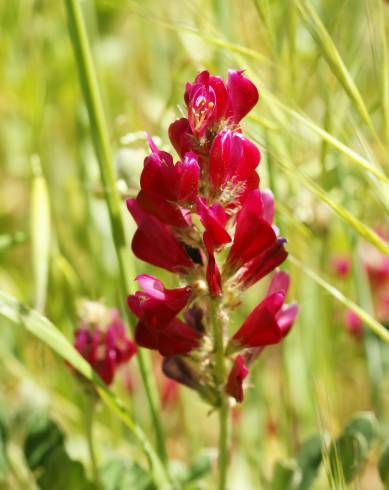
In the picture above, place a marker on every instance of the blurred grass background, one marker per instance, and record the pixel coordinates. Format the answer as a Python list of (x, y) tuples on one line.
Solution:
[(323, 128)]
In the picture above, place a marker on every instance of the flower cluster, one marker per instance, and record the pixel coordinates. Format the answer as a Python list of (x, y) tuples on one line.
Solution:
[(101, 339), (205, 220)]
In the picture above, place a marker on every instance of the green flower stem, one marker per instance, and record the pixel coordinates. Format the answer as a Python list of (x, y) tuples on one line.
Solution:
[(89, 85), (89, 413), (220, 376)]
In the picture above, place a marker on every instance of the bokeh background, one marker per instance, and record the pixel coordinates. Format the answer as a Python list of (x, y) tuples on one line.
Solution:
[(322, 124)]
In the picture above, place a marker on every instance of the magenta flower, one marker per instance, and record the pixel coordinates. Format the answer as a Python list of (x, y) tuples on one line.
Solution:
[(238, 373), (155, 243), (270, 320), (205, 220), (211, 102), (105, 344), (165, 186), (354, 325), (157, 309), (232, 163), (253, 234), (341, 265), (214, 219)]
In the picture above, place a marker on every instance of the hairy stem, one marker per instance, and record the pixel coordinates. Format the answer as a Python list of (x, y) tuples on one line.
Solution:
[(100, 136), (220, 376)]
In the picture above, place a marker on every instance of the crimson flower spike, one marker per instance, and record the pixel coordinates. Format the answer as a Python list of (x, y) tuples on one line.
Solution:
[(204, 220), (101, 339)]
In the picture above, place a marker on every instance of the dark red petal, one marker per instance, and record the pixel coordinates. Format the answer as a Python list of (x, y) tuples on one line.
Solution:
[(155, 243), (260, 266), (179, 369), (181, 136), (213, 273), (194, 318), (249, 161), (146, 336), (238, 373), (253, 235), (188, 173), (177, 338), (158, 176), (214, 219), (260, 327), (243, 94), (167, 212), (222, 100)]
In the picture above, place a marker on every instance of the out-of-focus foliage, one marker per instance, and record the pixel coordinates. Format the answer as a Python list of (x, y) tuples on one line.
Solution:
[(323, 128)]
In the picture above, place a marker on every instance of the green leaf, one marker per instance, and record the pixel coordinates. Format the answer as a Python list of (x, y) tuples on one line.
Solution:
[(46, 456), (62, 473), (383, 465), (347, 456), (285, 475), (119, 475), (43, 438), (309, 458), (200, 466), (364, 423)]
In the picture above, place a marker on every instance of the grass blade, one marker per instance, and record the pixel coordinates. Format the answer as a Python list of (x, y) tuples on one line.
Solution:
[(40, 230), (370, 322), (331, 54), (100, 136)]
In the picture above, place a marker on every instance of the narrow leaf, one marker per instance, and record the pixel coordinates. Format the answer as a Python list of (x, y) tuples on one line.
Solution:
[(40, 230)]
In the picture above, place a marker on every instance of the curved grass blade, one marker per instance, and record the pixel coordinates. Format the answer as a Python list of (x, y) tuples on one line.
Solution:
[(218, 42), (44, 330), (352, 155), (369, 321), (362, 230), (331, 54), (40, 230)]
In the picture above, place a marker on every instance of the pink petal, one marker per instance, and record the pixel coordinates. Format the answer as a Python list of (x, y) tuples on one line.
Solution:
[(286, 317), (268, 205), (279, 282), (152, 286)]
